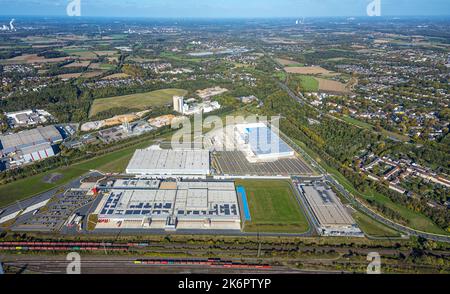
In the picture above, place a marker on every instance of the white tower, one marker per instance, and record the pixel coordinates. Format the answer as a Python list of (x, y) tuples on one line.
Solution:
[(178, 103)]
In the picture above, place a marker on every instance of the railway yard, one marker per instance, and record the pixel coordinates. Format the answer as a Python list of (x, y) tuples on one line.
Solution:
[(193, 255)]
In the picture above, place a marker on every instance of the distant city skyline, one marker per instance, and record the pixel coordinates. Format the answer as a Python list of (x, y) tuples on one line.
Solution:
[(225, 8)]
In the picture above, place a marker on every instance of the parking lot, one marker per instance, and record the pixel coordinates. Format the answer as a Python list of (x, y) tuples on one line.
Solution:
[(235, 163), (52, 217)]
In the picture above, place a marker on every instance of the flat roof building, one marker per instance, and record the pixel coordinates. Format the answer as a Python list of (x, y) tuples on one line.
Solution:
[(27, 118), (151, 204), (332, 217), (169, 162), (261, 143), (29, 138)]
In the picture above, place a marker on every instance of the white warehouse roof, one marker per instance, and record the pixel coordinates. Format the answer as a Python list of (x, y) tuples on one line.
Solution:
[(169, 162)]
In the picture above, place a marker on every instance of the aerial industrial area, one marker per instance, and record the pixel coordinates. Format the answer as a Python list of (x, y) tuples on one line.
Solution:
[(178, 189), (358, 163)]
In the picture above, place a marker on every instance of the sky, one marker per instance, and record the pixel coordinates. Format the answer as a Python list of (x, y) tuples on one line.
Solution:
[(225, 8)]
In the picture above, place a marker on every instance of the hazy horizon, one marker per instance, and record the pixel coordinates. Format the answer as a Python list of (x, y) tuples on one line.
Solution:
[(226, 8)]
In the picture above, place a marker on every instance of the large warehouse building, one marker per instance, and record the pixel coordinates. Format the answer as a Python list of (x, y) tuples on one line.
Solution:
[(161, 162), (332, 217), (153, 204), (31, 145), (260, 143)]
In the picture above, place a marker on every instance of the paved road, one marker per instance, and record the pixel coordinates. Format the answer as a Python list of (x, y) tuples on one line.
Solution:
[(356, 202)]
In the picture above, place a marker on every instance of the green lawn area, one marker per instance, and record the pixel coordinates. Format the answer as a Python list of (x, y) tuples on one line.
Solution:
[(307, 83), (34, 185), (273, 207), (139, 101), (358, 123), (118, 165), (417, 220), (373, 228)]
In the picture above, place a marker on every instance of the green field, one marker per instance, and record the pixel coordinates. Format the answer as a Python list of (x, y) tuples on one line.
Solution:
[(106, 66), (281, 75), (373, 228), (141, 101), (273, 207), (182, 58), (25, 188), (416, 219), (307, 83)]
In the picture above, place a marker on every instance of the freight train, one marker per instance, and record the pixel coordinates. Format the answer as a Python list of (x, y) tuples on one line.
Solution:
[(213, 262)]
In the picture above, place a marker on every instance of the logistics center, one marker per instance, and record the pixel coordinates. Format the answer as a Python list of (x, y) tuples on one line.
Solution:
[(169, 205), (160, 162), (260, 143)]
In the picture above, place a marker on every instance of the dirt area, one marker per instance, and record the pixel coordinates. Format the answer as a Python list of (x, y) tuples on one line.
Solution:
[(116, 76), (69, 76), (78, 64), (105, 53), (307, 70), (286, 62), (332, 86), (33, 58), (92, 74)]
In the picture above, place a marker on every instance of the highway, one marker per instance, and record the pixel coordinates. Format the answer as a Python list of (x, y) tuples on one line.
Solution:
[(356, 202)]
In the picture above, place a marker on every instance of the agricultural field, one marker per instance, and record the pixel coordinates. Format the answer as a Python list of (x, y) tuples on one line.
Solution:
[(78, 64), (140, 101), (86, 75), (288, 63), (70, 76), (140, 59), (273, 207), (307, 70), (33, 58), (84, 54), (332, 86), (116, 76), (91, 74)]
